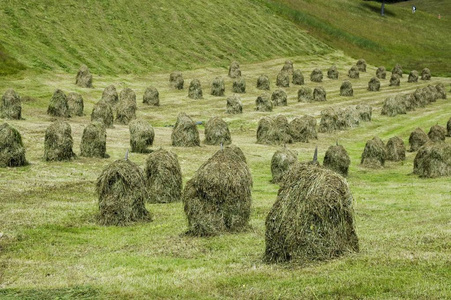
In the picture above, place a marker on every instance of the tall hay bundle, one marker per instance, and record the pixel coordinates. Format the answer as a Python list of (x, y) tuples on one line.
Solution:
[(263, 103), (283, 128), (381, 73), (316, 75), (234, 70), (433, 160), (433, 93), (218, 87), (10, 107), (288, 67), (121, 189), (299, 130), (273, 131), (417, 139), (348, 117), (279, 98), (103, 113), (312, 218), (185, 133), (332, 72), (110, 96), (420, 99), (354, 72), (12, 151), (361, 65), (393, 106), (75, 104), (281, 162), (163, 177), (283, 79), (448, 128), (126, 109), (151, 96), (396, 150), (58, 142), (311, 130), (413, 76), (441, 90), (426, 74), (319, 94), (263, 82), (176, 80), (397, 69), (374, 85), (408, 101), (93, 141), (58, 106), (337, 159), (84, 77), (364, 111), (141, 136), (298, 78), (346, 89), (394, 80), (239, 85), (217, 132), (305, 94), (329, 120), (437, 133), (218, 197), (234, 105), (374, 154), (195, 89)]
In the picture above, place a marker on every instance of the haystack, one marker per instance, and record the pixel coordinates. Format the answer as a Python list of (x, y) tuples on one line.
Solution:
[(311, 131), (163, 177), (110, 95), (316, 75), (305, 94), (84, 77), (263, 83), (58, 106), (394, 80), (93, 141), (185, 133), (381, 73), (299, 130), (195, 89), (374, 154), (431, 93), (151, 96), (288, 67), (281, 162), (364, 111), (361, 65), (218, 197), (332, 72), (348, 117), (441, 90), (126, 108), (397, 69), (354, 72), (426, 74), (417, 139), (58, 142), (346, 89), (396, 151), (337, 159), (393, 106), (329, 120), (234, 105), (312, 218), (121, 188), (217, 132), (283, 79), (141, 136), (10, 107), (218, 87), (273, 131), (12, 151), (263, 103), (176, 80), (448, 128), (75, 104), (239, 85), (234, 70), (413, 76), (374, 85), (433, 160), (298, 78), (279, 98), (420, 99), (437, 133), (319, 94), (103, 113), (408, 100)]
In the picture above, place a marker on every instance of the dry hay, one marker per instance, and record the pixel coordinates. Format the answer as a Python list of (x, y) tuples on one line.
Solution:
[(281, 162), (374, 154), (12, 151), (364, 111), (195, 89), (393, 106), (397, 69), (413, 76), (217, 132), (312, 218), (298, 78), (337, 159), (151, 96), (273, 131), (103, 112), (361, 65), (426, 74), (288, 67), (121, 188), (448, 128), (433, 160), (176, 80), (332, 72), (396, 150), (437, 133), (381, 73), (126, 109), (348, 117), (263, 103), (110, 96), (218, 87), (141, 136), (58, 142), (84, 77), (346, 89), (354, 72), (316, 75), (283, 79), (10, 107), (185, 133), (420, 98), (75, 104), (417, 139), (408, 100), (305, 94), (234, 105), (311, 131), (93, 141), (319, 94), (374, 85), (263, 83), (302, 129), (234, 70), (163, 177), (441, 90), (218, 197), (394, 80), (239, 85), (279, 98), (329, 120), (58, 106)]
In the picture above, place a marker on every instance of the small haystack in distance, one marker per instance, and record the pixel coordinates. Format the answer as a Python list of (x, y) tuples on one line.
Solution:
[(141, 136), (413, 76), (218, 87), (437, 133), (417, 139), (298, 78), (93, 141), (185, 133), (396, 151), (218, 197), (332, 72), (239, 85), (288, 67), (281, 162), (58, 142), (381, 73), (103, 113), (75, 104), (84, 77), (279, 98), (121, 188), (433, 160), (316, 75), (374, 154), (195, 89), (448, 128), (305, 94), (274, 131), (234, 105), (283, 79), (10, 107), (337, 159), (176, 80), (12, 151), (374, 85), (110, 95), (263, 103), (354, 72), (151, 96), (319, 94), (346, 89), (312, 218), (397, 69), (394, 80), (217, 132), (263, 83), (58, 106), (393, 106), (426, 74), (234, 70), (163, 177), (361, 65), (126, 109)]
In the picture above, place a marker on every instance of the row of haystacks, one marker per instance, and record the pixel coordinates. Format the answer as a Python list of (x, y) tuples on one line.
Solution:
[(62, 105), (277, 130), (376, 152), (333, 119)]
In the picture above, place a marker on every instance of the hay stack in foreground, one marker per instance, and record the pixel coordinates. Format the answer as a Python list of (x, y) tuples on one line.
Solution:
[(176, 80), (283, 79), (126, 109), (234, 70), (121, 189), (337, 159), (433, 160), (234, 105), (151, 96), (354, 72), (312, 218), (163, 177), (417, 139), (279, 98), (84, 77), (281, 162), (396, 151), (218, 197), (381, 72), (273, 131), (298, 78), (316, 75), (103, 112), (239, 85), (93, 141), (218, 87), (263, 103), (437, 133), (58, 142), (374, 154), (185, 133), (110, 96), (195, 89), (263, 83), (346, 89), (58, 106), (10, 107), (12, 151), (332, 72), (75, 104), (141, 136), (217, 132), (374, 85)]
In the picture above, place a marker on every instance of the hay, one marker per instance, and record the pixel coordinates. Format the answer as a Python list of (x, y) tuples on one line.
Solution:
[(176, 80), (374, 154), (58, 142), (75, 104), (218, 87), (93, 141), (413, 76), (305, 94), (397, 69), (103, 113), (319, 94), (332, 72), (12, 151), (431, 93), (329, 120), (433, 160), (374, 85), (312, 218), (426, 74), (364, 111), (84, 77), (437, 133), (239, 85), (234, 70), (393, 106), (381, 73), (441, 90), (141, 136), (126, 109), (417, 139), (279, 98), (10, 107), (298, 78), (448, 128), (263, 83), (288, 67), (163, 177), (217, 132), (348, 117), (396, 151), (121, 189), (361, 65), (337, 160), (408, 100), (311, 131), (274, 131), (234, 105), (420, 99), (283, 79), (281, 162), (110, 96), (263, 103), (354, 72), (299, 130), (218, 197), (185, 133), (195, 89), (316, 75), (394, 80), (58, 106), (346, 89), (151, 96)]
